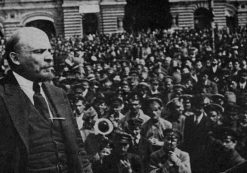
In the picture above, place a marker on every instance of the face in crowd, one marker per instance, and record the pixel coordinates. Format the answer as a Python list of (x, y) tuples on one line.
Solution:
[(170, 141), (79, 107), (229, 143), (154, 110), (177, 108), (135, 106)]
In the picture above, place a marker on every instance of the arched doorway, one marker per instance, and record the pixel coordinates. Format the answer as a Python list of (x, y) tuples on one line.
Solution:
[(45, 25), (202, 18), (90, 23), (231, 16)]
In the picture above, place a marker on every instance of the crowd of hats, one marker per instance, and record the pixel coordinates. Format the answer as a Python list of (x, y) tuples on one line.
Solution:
[(168, 68), (140, 61), (122, 67)]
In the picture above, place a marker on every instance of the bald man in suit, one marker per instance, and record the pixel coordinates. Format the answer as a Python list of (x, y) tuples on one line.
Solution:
[(37, 132)]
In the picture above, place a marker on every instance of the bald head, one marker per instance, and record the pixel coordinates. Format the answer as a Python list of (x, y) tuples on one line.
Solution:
[(23, 35), (28, 52)]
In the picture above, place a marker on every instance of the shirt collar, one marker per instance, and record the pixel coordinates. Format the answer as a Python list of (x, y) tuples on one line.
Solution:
[(23, 82)]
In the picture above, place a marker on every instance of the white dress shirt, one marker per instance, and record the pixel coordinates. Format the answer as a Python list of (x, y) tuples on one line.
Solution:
[(27, 87)]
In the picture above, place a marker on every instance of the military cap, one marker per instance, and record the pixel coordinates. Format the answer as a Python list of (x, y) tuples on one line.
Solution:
[(116, 102), (186, 98), (154, 99), (172, 133), (243, 73), (135, 122), (178, 86), (91, 77), (84, 81), (99, 101), (168, 77), (214, 107), (144, 85), (228, 133), (90, 113), (125, 82), (232, 108), (134, 97), (200, 100), (173, 102), (122, 137), (216, 98), (133, 72), (154, 81)]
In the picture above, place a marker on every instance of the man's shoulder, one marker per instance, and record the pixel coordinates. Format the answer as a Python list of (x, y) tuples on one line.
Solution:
[(182, 154), (158, 154), (165, 122)]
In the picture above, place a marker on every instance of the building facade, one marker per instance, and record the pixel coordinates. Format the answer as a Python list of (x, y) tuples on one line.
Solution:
[(78, 17), (63, 17), (196, 13)]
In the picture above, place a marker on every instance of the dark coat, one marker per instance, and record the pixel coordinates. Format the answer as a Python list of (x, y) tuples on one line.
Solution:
[(214, 76), (111, 164), (227, 160), (241, 168), (209, 88), (195, 137), (159, 161), (14, 143)]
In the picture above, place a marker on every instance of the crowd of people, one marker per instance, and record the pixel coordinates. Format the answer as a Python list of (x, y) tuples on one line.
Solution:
[(175, 103)]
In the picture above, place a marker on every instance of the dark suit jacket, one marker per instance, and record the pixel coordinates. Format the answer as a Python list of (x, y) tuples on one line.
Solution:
[(111, 164), (14, 113), (213, 75), (241, 168), (210, 87), (195, 137)]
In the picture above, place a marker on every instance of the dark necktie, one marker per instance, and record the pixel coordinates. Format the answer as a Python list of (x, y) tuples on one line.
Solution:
[(39, 101)]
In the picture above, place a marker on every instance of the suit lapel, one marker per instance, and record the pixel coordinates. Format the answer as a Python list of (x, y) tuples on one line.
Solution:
[(18, 107), (62, 111)]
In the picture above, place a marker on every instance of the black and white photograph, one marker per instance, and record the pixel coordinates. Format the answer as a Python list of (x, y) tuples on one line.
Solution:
[(123, 86)]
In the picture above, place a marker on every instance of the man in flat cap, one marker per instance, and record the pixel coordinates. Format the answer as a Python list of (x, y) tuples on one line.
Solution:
[(241, 88), (186, 100), (83, 88), (135, 111), (230, 117), (120, 160), (175, 108), (214, 112), (227, 156), (115, 114), (38, 132), (170, 159), (218, 99), (153, 128), (242, 132), (195, 133), (205, 85)]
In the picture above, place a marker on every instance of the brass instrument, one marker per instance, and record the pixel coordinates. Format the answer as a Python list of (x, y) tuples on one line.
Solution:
[(103, 126)]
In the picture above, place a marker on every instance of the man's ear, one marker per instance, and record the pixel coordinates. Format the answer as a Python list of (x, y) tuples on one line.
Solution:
[(14, 58)]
